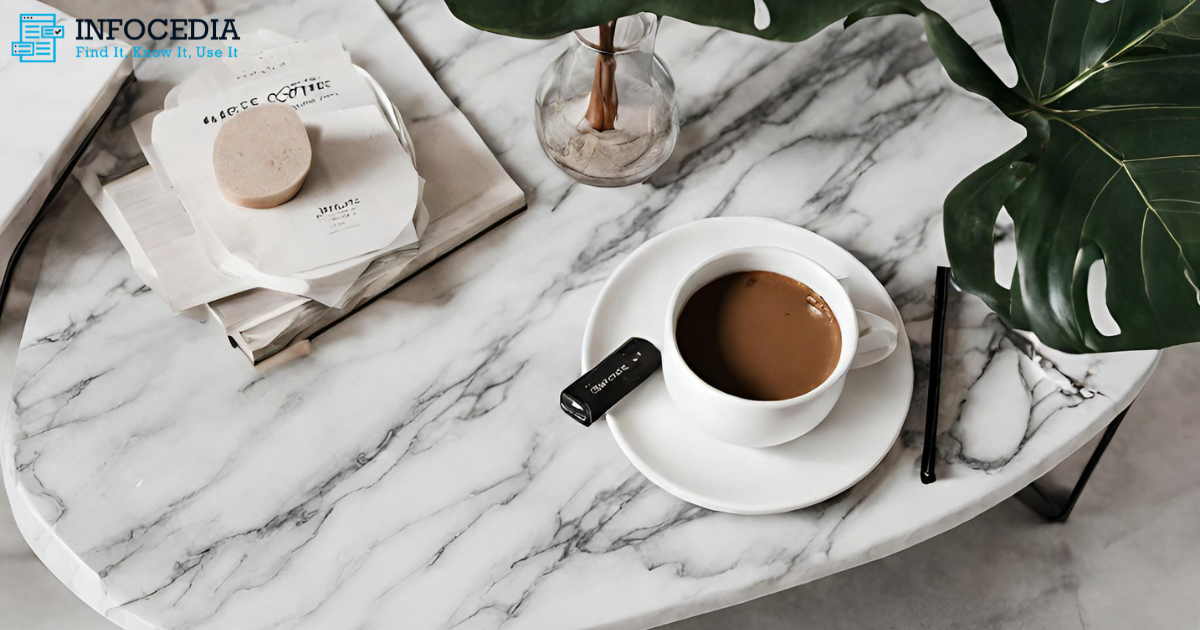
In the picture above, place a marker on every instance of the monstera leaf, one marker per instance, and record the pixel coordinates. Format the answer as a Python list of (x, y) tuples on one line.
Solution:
[(790, 20), (1110, 169), (1109, 94)]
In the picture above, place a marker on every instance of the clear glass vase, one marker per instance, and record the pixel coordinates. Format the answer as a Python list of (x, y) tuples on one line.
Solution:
[(606, 112)]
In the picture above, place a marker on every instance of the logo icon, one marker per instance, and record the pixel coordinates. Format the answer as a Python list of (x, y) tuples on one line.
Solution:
[(39, 38)]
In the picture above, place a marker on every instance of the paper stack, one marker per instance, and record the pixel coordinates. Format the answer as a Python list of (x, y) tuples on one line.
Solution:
[(271, 315), (362, 200)]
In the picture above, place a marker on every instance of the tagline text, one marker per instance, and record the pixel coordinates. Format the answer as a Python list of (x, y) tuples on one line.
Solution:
[(140, 52)]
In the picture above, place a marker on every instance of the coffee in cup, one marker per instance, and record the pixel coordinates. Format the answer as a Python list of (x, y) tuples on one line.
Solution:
[(759, 335), (759, 341)]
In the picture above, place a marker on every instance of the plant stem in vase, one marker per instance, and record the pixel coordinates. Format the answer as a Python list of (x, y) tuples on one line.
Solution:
[(602, 108), (576, 104)]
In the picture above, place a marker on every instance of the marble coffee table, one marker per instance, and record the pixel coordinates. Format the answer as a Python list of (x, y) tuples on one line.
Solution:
[(415, 471)]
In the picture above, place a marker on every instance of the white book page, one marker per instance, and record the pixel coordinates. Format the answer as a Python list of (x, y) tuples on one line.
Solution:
[(163, 233), (360, 194), (219, 76)]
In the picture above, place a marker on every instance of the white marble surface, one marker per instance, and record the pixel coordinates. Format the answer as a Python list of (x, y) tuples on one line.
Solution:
[(415, 469), (30, 596), (47, 108), (466, 189), (1128, 558)]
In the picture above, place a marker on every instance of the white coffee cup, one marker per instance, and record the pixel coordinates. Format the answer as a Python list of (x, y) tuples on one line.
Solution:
[(866, 339)]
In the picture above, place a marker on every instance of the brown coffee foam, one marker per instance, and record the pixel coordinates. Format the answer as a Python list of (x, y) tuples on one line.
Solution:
[(759, 335)]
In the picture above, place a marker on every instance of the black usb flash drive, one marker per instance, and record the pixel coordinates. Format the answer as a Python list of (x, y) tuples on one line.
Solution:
[(590, 397)]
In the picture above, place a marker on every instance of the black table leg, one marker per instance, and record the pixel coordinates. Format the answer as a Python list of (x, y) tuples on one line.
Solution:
[(1054, 506)]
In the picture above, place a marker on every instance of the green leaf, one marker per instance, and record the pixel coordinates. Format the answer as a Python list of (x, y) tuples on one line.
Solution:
[(1109, 93), (970, 220), (961, 61), (791, 20), (1110, 171)]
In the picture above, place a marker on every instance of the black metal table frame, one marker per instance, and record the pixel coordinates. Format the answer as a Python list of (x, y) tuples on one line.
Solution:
[(1056, 505), (1052, 504)]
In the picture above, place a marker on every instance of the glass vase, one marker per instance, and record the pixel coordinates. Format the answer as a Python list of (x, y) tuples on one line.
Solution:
[(605, 109)]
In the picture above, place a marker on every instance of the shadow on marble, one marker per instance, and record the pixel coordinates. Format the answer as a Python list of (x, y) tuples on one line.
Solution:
[(1128, 558), (31, 598)]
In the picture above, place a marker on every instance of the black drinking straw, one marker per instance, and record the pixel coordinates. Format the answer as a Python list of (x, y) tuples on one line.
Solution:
[(938, 336)]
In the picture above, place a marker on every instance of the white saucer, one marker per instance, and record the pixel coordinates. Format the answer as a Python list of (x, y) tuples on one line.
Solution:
[(655, 436)]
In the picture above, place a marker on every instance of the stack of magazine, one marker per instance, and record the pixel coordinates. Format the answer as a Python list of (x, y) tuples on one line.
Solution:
[(359, 224)]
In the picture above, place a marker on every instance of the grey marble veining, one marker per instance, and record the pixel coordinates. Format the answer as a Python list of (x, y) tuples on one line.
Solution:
[(416, 471), (1128, 557), (41, 128), (466, 190)]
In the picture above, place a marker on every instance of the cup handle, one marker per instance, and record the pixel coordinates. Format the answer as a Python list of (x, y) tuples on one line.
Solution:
[(876, 340)]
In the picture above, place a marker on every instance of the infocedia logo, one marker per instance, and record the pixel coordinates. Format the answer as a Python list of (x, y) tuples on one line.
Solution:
[(40, 32), (38, 39)]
